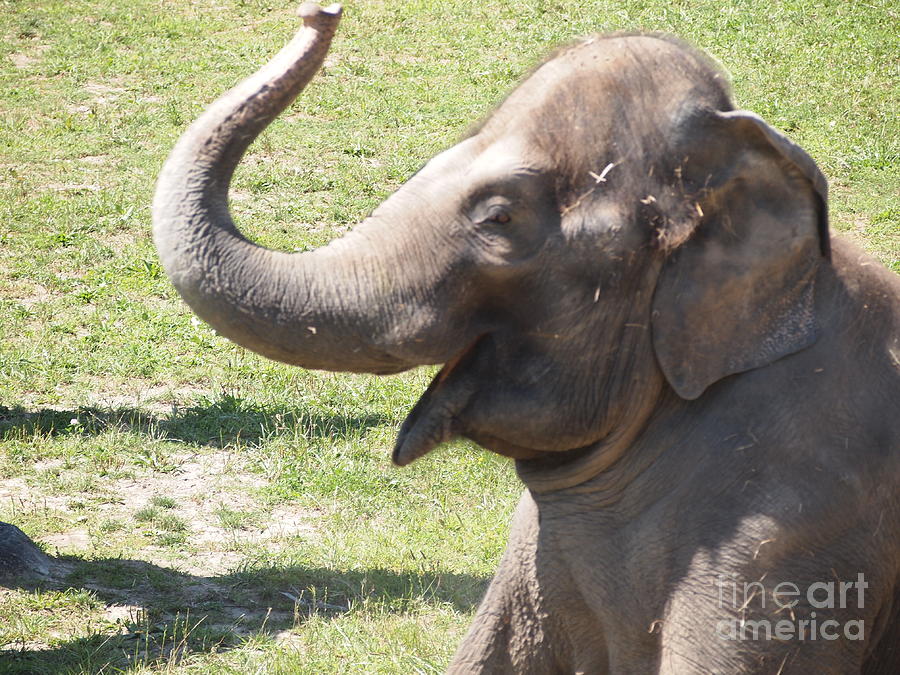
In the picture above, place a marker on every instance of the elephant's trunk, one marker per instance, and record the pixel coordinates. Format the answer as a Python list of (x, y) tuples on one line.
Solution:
[(337, 308)]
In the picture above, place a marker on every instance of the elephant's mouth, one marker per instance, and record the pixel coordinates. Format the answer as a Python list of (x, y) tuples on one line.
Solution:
[(446, 409), (435, 417)]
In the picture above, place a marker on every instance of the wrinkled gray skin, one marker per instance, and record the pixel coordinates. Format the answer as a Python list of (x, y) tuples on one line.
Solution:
[(632, 288)]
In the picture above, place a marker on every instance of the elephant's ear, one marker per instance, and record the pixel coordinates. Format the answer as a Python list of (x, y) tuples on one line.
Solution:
[(738, 293)]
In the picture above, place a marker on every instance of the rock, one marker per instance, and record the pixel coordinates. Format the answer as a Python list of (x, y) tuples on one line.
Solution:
[(19, 555)]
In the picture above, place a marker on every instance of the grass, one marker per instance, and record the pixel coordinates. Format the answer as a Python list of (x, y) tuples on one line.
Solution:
[(214, 512)]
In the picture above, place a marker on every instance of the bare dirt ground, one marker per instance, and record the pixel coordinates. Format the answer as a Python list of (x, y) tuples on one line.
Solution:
[(157, 583)]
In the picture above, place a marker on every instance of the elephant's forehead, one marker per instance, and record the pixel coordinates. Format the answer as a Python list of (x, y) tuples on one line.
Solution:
[(606, 101), (602, 78), (629, 60)]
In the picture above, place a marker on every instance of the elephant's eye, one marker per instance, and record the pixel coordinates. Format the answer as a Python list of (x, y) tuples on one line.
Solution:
[(498, 214), (495, 210)]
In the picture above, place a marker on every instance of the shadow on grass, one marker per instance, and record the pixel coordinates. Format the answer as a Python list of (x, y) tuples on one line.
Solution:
[(218, 423), (169, 615)]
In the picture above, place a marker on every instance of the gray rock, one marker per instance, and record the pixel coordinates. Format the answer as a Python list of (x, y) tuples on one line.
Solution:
[(19, 555)]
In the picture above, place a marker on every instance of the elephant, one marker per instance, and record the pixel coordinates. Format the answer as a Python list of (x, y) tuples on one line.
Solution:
[(631, 289)]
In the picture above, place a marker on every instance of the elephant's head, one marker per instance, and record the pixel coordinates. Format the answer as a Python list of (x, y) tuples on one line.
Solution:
[(613, 234)]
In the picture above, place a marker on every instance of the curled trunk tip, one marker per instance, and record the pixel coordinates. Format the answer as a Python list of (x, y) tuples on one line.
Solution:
[(312, 12)]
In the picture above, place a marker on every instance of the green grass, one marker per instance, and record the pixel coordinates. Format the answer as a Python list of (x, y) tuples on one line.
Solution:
[(214, 512)]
